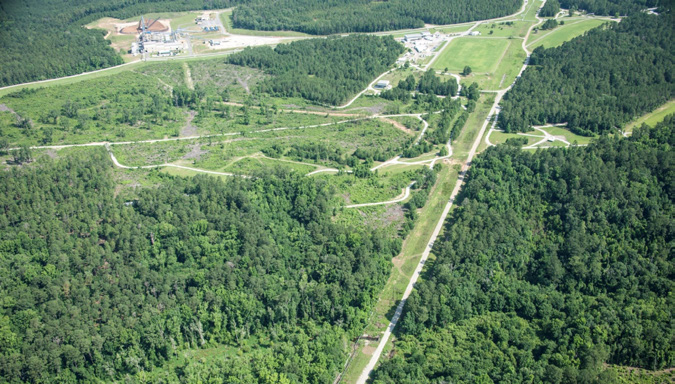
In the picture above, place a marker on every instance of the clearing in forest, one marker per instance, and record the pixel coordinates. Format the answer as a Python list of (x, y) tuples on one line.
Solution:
[(481, 54), (562, 33)]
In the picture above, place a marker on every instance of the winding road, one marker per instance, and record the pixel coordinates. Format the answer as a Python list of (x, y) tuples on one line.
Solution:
[(403, 196)]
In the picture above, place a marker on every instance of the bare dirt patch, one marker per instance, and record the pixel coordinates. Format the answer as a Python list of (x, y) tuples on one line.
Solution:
[(368, 350), (397, 125), (244, 83), (196, 152), (374, 110), (189, 129)]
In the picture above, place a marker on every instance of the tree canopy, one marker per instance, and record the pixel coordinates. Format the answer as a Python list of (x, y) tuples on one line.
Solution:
[(339, 16), (552, 264), (321, 70), (596, 82), (93, 287)]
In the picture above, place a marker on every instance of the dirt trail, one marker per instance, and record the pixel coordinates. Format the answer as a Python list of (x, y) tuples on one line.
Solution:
[(188, 76)]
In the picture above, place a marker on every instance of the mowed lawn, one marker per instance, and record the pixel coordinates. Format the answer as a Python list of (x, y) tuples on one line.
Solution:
[(562, 33), (481, 54), (654, 117)]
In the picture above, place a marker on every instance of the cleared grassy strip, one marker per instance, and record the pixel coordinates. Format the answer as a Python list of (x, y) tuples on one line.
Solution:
[(482, 55), (568, 135), (518, 29), (461, 146), (497, 138), (654, 117), (414, 245), (452, 29), (561, 34), (403, 268)]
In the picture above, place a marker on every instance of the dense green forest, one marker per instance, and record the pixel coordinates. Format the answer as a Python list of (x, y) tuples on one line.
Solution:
[(599, 81), (45, 39), (550, 8), (552, 264), (94, 287), (339, 16), (321, 70), (610, 7)]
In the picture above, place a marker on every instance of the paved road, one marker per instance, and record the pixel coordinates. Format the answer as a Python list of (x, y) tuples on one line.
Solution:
[(460, 181)]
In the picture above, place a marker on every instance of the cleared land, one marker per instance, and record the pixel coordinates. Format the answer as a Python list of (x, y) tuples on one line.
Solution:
[(501, 29), (654, 117), (482, 55), (562, 33), (495, 62)]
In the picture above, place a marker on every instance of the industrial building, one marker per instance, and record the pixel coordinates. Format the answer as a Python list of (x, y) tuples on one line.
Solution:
[(413, 37), (382, 84)]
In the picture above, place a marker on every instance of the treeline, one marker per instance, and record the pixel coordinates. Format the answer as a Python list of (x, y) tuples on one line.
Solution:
[(42, 40), (329, 154), (339, 16), (610, 7), (428, 83), (553, 264), (599, 81), (550, 8), (96, 288), (321, 70)]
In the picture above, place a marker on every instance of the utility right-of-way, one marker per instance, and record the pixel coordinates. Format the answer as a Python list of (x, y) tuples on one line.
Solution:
[(363, 377)]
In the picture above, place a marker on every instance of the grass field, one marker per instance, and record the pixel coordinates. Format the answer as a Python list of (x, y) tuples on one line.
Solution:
[(507, 68), (482, 55), (452, 29), (495, 62), (561, 34), (654, 117), (497, 138), (501, 29), (569, 135)]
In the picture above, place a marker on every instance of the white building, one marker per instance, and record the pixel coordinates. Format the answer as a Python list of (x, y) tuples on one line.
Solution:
[(413, 37), (474, 33), (382, 84)]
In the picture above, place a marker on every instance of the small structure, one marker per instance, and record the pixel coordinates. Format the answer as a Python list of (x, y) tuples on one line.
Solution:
[(382, 84), (413, 37), (474, 33), (145, 26), (134, 48)]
